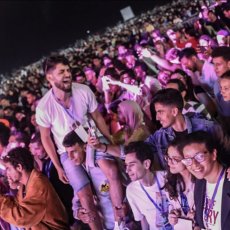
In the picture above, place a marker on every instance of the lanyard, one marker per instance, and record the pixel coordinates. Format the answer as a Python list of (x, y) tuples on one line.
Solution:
[(161, 209), (66, 110), (208, 207), (184, 203)]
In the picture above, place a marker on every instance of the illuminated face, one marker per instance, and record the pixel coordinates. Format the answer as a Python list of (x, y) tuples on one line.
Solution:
[(134, 168), (174, 160), (220, 65), (163, 78), (61, 77), (37, 150), (125, 78), (13, 174), (188, 63), (165, 115), (76, 153), (203, 43), (172, 35), (203, 169), (225, 89), (30, 98), (130, 61), (90, 75), (221, 40), (140, 73)]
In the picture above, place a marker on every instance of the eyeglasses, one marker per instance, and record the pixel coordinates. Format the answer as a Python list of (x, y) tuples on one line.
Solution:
[(199, 157), (172, 160)]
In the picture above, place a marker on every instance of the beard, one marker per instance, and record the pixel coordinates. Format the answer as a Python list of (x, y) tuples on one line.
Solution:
[(63, 87)]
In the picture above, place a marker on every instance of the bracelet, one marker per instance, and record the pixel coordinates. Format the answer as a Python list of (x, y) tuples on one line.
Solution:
[(106, 147)]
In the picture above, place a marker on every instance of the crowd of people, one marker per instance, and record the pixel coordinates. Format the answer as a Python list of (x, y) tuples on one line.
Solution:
[(129, 129)]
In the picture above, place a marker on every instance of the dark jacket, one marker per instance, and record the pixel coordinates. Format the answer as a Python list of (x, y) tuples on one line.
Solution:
[(199, 197)]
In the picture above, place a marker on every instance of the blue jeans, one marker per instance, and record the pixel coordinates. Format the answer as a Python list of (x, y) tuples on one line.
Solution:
[(75, 173)]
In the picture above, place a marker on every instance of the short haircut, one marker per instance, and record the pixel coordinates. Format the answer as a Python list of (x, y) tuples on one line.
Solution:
[(36, 138), (169, 97), (4, 134), (20, 156), (52, 61), (187, 52), (226, 75), (143, 151), (180, 84), (222, 51), (199, 137), (71, 139)]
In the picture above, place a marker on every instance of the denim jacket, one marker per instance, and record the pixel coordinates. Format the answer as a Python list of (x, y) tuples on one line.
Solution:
[(162, 137)]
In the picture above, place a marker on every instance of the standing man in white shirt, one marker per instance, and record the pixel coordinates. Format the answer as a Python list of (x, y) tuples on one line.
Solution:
[(65, 106)]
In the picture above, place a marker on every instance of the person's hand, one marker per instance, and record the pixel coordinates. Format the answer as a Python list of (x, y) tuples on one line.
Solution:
[(173, 217), (94, 142), (191, 215), (145, 53), (13, 184), (86, 216), (62, 176), (121, 212)]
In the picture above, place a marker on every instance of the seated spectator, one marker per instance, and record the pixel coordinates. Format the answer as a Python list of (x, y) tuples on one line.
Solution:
[(179, 185), (76, 150), (191, 107), (202, 159), (168, 104), (37, 205), (145, 195), (223, 38), (216, 23), (223, 101)]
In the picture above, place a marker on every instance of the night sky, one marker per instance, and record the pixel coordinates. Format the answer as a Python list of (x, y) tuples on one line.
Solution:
[(32, 29)]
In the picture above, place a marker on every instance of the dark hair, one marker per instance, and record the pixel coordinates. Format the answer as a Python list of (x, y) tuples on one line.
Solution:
[(226, 75), (142, 65), (169, 97), (20, 156), (130, 72), (173, 180), (222, 51), (189, 85), (36, 138), (4, 134), (52, 61), (199, 137), (71, 139), (142, 149), (180, 84), (187, 52), (112, 72)]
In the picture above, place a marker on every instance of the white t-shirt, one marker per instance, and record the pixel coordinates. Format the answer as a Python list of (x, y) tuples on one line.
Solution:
[(51, 114), (214, 216), (208, 77), (141, 205)]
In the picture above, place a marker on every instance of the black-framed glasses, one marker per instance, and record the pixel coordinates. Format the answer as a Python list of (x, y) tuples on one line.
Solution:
[(172, 160), (199, 157)]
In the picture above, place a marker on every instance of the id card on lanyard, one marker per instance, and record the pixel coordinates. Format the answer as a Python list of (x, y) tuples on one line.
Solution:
[(160, 208), (76, 126)]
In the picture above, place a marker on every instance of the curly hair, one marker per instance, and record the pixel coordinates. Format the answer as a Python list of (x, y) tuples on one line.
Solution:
[(20, 156)]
